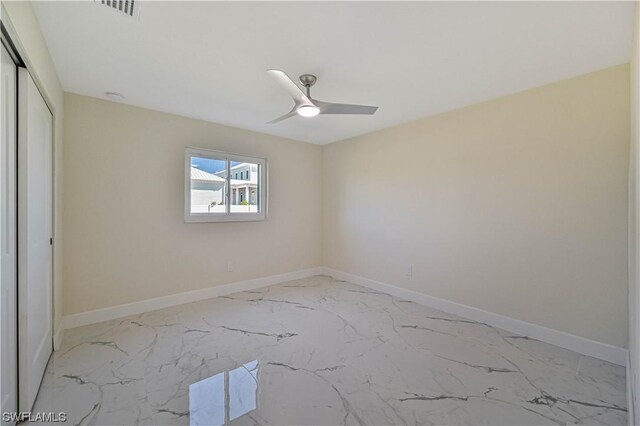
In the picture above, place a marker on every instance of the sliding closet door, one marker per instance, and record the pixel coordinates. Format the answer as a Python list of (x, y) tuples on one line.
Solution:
[(35, 254), (8, 233)]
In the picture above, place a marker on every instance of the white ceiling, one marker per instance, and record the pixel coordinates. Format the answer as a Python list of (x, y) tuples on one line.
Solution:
[(208, 60)]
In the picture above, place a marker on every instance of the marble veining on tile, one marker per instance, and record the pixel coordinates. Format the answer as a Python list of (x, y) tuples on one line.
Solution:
[(319, 351)]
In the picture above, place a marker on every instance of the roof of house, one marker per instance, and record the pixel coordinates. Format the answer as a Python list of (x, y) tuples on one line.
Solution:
[(222, 172), (237, 166), (197, 174)]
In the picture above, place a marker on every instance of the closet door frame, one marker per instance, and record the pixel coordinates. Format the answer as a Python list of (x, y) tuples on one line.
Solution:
[(21, 57), (8, 236)]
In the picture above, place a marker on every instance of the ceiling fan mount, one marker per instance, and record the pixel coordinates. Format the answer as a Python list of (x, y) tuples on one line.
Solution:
[(308, 80), (305, 106)]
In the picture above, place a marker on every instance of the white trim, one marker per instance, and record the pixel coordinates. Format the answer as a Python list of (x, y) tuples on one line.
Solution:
[(57, 336), (134, 308), (572, 342)]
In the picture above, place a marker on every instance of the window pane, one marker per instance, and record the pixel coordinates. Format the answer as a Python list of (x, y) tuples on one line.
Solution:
[(223, 187), (245, 188), (208, 185)]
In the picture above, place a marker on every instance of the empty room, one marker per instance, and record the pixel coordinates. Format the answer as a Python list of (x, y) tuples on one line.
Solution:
[(320, 213)]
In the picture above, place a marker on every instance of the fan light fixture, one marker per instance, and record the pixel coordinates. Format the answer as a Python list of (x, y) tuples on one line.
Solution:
[(308, 111)]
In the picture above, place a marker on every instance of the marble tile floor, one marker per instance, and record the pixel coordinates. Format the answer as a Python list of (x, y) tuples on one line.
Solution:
[(319, 351)]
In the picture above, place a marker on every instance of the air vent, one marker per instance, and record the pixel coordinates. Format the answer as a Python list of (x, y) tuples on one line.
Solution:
[(128, 7)]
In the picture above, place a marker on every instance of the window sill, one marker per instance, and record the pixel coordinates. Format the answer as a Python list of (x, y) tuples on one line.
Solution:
[(220, 218)]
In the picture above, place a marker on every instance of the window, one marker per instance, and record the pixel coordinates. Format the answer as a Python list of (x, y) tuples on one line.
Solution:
[(211, 193)]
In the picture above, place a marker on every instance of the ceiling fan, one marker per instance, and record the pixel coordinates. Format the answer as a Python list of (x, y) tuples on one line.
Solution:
[(305, 106)]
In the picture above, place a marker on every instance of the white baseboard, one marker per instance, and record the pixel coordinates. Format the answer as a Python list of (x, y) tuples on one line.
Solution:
[(134, 308), (57, 336), (572, 342)]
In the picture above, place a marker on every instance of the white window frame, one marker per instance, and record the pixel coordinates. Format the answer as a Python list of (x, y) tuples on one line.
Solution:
[(228, 216)]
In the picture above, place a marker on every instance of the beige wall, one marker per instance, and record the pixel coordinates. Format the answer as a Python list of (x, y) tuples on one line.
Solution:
[(633, 371), (24, 29), (517, 206), (125, 236)]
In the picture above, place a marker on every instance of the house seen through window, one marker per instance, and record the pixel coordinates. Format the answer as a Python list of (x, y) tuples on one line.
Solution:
[(223, 187)]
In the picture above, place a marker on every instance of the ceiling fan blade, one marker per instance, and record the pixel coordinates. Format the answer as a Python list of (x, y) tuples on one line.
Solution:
[(287, 84), (331, 108), (284, 117)]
